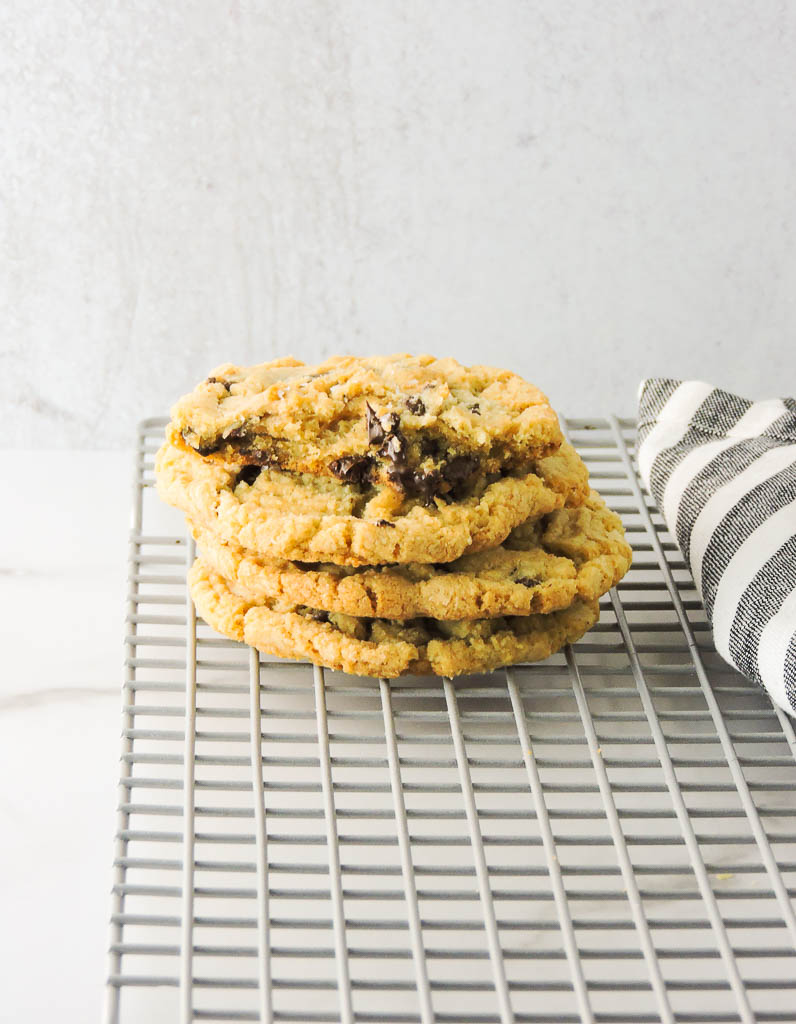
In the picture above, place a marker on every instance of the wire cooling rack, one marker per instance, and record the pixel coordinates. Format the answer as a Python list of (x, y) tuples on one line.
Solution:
[(609, 835)]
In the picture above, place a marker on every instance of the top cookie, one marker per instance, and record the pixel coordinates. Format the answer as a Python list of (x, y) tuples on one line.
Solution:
[(421, 425)]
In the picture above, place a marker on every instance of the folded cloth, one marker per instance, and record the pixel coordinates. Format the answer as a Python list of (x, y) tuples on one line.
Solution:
[(723, 473)]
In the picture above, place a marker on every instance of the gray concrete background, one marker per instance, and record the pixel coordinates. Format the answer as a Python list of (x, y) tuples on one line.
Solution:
[(585, 192)]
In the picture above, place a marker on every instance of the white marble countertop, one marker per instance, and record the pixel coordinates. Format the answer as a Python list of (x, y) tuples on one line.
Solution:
[(64, 521)]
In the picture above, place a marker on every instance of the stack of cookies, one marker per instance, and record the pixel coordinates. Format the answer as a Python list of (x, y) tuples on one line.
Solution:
[(388, 515)]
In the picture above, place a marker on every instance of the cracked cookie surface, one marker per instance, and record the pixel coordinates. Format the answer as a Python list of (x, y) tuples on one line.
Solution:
[(420, 425), (281, 515), (541, 567), (381, 647)]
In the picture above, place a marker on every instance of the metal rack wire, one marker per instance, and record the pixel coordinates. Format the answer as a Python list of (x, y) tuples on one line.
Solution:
[(609, 835)]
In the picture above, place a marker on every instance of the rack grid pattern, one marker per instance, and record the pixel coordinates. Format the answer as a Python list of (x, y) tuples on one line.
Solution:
[(609, 835)]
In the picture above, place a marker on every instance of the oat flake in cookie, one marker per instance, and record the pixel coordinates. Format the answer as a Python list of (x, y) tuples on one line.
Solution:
[(381, 647), (423, 426)]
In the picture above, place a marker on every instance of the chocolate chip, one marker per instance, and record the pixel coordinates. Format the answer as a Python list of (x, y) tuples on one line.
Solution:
[(528, 581), (459, 468), (423, 484), (385, 522), (208, 448), (259, 456), (394, 449), (318, 615), (353, 469), (390, 422), (248, 475), (415, 405), (476, 409), (429, 446), (218, 380), (375, 430), (397, 477), (426, 485)]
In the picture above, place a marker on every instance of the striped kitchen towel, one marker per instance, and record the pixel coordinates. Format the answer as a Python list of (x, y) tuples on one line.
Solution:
[(723, 473)]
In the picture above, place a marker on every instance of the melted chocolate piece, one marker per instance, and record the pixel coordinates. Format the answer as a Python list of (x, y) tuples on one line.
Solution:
[(398, 477), (429, 447), (394, 449), (426, 485), (353, 469), (528, 581), (247, 475), (459, 468), (208, 448), (378, 428), (385, 522), (391, 422), (476, 409), (423, 484), (415, 405), (318, 615), (375, 429), (260, 457)]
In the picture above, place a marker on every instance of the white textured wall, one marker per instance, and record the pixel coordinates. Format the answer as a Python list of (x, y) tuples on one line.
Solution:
[(588, 192)]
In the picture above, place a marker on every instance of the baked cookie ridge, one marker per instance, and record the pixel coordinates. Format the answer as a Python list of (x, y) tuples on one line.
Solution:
[(541, 567), (385, 648)]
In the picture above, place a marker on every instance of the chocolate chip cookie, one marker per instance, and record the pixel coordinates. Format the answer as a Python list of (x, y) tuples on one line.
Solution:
[(541, 566), (382, 647), (281, 515), (425, 427)]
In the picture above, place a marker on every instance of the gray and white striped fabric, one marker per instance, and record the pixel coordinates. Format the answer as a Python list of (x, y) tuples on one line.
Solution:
[(723, 473)]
